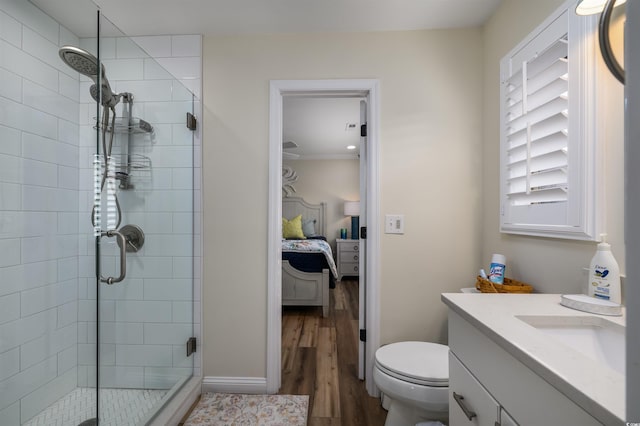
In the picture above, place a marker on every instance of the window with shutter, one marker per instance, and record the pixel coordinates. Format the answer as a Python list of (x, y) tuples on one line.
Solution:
[(548, 144), (537, 128)]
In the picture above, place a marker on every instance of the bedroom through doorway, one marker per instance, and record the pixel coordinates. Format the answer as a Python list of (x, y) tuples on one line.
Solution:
[(322, 137), (321, 142)]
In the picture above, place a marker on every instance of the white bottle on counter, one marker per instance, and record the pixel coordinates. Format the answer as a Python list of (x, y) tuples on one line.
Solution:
[(496, 269), (604, 275)]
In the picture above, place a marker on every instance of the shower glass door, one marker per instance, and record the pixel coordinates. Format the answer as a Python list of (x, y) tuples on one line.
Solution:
[(139, 212), (94, 151)]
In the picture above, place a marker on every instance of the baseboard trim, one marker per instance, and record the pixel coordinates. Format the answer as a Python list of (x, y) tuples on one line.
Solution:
[(248, 385)]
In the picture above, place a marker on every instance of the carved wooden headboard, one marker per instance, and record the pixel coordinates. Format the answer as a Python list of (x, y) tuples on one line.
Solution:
[(293, 206)]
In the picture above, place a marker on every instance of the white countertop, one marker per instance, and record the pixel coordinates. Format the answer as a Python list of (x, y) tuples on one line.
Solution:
[(596, 388)]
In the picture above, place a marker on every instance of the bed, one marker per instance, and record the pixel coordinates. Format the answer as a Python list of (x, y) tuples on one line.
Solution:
[(306, 274)]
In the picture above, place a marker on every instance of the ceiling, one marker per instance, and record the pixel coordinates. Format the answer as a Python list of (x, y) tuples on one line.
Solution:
[(226, 17), (322, 127)]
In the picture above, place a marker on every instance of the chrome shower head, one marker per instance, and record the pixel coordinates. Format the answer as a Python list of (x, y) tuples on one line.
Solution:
[(81, 61), (87, 64)]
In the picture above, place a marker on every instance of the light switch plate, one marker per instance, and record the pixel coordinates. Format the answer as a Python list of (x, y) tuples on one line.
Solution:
[(394, 224)]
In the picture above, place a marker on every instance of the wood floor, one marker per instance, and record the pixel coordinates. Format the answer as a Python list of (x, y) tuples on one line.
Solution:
[(320, 359)]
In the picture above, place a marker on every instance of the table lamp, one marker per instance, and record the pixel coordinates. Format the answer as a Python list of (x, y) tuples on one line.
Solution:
[(352, 208)]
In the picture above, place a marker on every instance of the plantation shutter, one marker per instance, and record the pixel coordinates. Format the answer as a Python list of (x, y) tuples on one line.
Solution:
[(548, 139), (537, 128)]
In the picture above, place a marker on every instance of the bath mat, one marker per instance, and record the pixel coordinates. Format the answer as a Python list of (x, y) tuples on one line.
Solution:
[(250, 410)]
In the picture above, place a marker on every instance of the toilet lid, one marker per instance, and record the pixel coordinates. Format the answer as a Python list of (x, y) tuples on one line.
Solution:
[(419, 362)]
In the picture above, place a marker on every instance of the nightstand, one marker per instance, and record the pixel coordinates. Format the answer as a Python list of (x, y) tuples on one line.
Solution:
[(348, 258)]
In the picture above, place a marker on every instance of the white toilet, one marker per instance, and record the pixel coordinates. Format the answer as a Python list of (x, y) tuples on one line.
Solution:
[(414, 380)]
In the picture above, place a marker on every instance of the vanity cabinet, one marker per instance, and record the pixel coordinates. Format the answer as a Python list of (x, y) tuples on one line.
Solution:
[(498, 388), (469, 401), (505, 419)]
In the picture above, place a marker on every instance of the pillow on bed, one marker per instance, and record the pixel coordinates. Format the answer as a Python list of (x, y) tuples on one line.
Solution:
[(309, 228), (292, 229)]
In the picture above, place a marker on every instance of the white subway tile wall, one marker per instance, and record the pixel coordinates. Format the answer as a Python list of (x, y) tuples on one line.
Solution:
[(39, 221), (47, 252)]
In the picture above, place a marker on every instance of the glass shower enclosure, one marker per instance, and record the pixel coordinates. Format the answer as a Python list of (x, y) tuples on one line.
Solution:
[(96, 224)]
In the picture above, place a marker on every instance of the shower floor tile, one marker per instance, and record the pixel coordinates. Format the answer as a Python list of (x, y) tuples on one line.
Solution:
[(119, 407)]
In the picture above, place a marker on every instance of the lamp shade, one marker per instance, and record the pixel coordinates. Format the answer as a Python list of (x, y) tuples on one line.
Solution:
[(352, 208), (591, 7)]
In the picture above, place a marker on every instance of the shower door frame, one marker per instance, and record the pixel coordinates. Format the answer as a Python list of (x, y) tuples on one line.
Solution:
[(181, 395)]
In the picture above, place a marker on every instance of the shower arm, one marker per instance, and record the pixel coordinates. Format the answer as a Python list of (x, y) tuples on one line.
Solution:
[(127, 111)]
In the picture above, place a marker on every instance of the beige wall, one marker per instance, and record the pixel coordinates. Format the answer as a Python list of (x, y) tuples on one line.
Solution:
[(438, 166), (551, 265), (430, 171), (331, 181)]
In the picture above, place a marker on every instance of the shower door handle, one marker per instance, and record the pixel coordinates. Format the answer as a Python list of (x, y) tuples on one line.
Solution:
[(123, 256)]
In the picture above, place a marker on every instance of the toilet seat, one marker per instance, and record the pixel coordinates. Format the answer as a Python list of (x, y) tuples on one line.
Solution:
[(420, 363)]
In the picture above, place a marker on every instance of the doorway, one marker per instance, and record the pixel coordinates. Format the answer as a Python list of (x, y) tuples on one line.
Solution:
[(369, 89)]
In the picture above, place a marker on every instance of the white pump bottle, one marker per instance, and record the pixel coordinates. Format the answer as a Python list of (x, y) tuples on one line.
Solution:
[(604, 274)]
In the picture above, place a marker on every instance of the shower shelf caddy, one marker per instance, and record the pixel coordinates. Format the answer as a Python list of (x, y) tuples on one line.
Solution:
[(133, 161), (128, 164), (124, 126)]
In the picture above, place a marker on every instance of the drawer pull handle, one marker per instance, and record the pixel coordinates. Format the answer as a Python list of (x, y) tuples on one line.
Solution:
[(355, 248), (470, 414), (355, 257)]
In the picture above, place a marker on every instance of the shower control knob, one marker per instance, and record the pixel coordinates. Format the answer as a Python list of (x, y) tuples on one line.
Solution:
[(134, 236)]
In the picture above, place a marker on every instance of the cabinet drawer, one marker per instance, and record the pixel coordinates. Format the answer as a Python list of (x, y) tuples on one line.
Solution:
[(465, 391), (349, 256), (349, 247), (349, 268), (505, 419)]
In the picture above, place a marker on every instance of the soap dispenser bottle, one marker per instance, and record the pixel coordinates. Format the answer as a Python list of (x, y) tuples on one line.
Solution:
[(604, 274)]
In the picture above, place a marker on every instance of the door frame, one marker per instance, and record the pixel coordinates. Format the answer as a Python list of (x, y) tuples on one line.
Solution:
[(362, 261), (277, 90)]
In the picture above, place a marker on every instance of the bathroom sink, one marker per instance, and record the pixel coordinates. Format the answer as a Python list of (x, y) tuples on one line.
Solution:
[(595, 337)]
